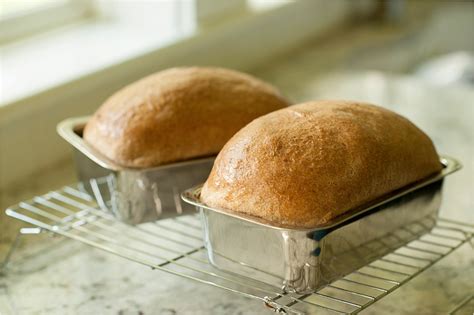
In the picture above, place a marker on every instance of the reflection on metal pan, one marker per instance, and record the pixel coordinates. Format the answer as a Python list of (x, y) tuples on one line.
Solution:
[(136, 195), (302, 260)]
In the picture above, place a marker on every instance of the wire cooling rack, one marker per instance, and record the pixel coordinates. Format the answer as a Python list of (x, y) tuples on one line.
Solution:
[(175, 246)]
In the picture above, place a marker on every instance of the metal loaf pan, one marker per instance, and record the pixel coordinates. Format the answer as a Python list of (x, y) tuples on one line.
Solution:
[(136, 195), (303, 260)]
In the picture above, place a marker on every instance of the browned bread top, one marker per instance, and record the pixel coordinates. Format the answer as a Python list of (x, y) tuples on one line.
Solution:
[(178, 114), (304, 165)]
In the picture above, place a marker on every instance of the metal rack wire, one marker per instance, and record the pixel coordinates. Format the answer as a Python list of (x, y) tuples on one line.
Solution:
[(175, 246)]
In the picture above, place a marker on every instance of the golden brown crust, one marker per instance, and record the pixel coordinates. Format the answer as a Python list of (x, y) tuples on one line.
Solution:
[(307, 164), (178, 114)]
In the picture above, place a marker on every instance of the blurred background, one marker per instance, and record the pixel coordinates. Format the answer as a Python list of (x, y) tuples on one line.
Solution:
[(63, 58)]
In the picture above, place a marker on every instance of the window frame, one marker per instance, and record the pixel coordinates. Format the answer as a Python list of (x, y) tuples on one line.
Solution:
[(40, 19)]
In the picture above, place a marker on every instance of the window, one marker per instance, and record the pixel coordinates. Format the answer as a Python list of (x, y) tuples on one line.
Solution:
[(20, 18), (73, 38)]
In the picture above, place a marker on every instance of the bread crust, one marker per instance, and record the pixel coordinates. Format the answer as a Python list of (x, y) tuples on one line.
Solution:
[(307, 164), (178, 114)]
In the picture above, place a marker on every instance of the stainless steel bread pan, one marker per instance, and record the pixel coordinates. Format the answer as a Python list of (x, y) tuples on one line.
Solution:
[(135, 195), (303, 260)]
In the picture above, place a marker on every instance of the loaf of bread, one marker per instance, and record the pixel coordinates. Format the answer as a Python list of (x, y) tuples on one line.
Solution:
[(305, 165), (178, 114)]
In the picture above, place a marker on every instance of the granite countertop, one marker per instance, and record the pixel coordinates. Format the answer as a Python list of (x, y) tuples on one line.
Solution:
[(66, 277)]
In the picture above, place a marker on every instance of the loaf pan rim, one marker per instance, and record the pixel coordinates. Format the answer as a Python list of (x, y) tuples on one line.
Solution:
[(67, 130), (450, 165)]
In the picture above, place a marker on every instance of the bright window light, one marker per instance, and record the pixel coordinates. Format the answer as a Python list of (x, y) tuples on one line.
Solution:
[(13, 8)]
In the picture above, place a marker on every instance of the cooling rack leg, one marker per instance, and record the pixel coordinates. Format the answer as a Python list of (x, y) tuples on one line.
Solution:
[(14, 246)]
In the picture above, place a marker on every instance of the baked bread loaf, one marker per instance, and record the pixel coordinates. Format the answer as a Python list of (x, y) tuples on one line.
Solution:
[(178, 114), (305, 165)]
